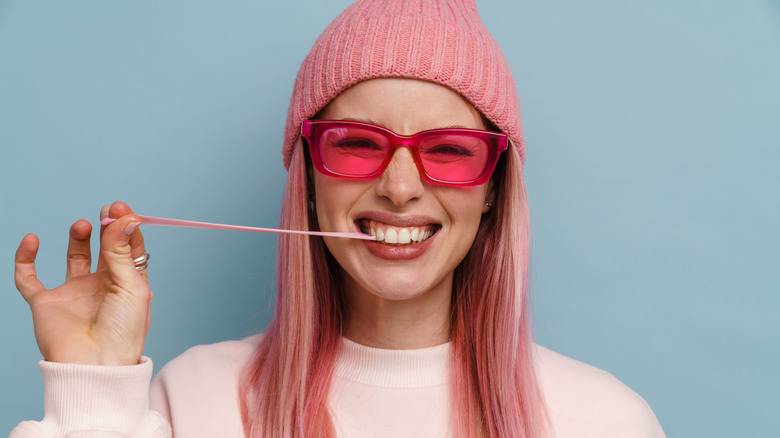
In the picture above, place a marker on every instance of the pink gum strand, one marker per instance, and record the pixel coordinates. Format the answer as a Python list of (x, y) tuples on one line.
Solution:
[(150, 220)]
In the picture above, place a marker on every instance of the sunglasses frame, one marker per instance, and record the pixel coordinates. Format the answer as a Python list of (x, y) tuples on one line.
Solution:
[(312, 130)]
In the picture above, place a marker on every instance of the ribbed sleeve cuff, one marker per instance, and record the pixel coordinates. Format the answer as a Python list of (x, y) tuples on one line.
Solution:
[(92, 397)]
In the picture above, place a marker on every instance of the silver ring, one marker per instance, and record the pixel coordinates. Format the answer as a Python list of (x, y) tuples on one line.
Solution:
[(141, 262)]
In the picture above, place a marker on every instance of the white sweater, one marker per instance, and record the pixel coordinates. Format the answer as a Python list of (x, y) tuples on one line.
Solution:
[(374, 393)]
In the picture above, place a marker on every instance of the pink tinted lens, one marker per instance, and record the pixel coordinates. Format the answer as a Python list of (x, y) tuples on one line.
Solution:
[(352, 150), (453, 157)]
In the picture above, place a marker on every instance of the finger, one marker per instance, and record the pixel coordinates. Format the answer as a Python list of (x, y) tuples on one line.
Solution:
[(103, 215), (137, 247), (79, 258), (25, 276), (116, 251), (114, 210)]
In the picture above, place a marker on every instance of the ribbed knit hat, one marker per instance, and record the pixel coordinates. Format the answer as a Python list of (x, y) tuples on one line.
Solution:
[(441, 41)]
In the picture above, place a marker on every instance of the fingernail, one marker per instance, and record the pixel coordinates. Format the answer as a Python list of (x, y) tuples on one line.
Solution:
[(131, 227)]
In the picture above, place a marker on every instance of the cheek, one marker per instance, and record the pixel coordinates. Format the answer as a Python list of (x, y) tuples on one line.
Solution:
[(465, 204), (334, 199), (466, 215), (324, 198)]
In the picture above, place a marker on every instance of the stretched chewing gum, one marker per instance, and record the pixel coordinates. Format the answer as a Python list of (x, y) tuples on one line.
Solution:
[(150, 220)]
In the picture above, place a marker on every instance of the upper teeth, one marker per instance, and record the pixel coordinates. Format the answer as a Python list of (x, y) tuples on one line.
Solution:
[(399, 235)]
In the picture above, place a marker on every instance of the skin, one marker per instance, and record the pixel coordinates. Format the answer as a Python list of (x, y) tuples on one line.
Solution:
[(95, 318), (400, 304)]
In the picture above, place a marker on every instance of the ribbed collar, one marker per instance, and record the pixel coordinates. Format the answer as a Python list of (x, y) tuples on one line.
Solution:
[(394, 368)]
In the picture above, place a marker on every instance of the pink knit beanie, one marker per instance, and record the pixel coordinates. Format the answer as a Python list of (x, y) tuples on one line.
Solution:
[(441, 41)]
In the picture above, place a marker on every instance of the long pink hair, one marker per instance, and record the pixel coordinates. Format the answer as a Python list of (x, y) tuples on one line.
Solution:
[(284, 391)]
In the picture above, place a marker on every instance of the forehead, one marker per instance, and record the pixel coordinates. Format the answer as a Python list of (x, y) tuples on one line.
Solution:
[(405, 106)]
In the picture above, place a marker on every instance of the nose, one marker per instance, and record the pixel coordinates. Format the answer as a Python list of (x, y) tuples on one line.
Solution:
[(400, 182)]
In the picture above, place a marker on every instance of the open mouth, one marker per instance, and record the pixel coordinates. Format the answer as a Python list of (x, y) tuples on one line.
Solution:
[(397, 236)]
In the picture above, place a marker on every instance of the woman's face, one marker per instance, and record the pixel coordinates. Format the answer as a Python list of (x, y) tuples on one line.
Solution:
[(399, 202)]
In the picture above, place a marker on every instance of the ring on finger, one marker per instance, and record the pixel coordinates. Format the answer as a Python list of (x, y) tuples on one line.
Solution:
[(142, 262)]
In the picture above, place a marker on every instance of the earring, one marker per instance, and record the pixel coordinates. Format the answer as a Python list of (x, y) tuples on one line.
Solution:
[(488, 204)]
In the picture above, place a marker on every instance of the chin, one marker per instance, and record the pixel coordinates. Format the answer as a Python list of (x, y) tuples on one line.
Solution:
[(404, 286)]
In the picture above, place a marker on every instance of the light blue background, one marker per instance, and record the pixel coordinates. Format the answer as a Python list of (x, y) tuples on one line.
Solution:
[(652, 138)]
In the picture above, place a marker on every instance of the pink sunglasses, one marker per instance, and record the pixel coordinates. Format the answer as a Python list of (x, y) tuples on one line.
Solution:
[(452, 156)]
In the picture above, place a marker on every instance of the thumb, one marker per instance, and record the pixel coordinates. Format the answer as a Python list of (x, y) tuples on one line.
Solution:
[(116, 250)]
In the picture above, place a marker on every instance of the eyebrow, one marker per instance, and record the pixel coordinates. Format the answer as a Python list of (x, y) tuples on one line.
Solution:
[(355, 119)]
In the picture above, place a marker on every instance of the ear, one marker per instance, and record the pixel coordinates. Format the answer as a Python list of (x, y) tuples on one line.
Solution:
[(490, 197)]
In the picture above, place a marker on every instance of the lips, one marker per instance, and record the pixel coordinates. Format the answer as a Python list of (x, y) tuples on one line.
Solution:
[(397, 235)]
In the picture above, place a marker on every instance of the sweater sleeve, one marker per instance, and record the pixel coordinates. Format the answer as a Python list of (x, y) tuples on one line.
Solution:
[(90, 401)]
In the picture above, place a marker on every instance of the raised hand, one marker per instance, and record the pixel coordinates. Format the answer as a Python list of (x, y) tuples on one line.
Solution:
[(99, 318)]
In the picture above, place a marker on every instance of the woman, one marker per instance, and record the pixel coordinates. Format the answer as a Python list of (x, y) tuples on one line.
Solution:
[(404, 124)]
